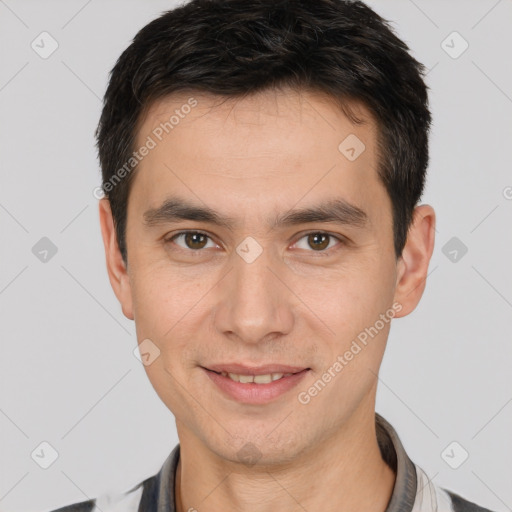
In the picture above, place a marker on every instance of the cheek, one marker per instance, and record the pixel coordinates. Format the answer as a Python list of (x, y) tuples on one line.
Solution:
[(156, 292), (350, 304), (168, 311), (351, 297), (155, 312)]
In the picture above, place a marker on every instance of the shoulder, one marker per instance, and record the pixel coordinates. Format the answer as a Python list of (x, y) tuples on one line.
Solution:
[(83, 506), (459, 504), (431, 497), (150, 495), (128, 501)]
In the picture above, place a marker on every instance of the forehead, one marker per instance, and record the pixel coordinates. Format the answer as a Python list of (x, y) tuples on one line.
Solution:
[(298, 110), (257, 153)]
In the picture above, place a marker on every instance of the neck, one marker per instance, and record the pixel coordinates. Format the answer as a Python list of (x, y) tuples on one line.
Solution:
[(334, 476)]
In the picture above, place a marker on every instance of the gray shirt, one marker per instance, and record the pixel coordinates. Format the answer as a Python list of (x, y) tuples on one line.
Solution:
[(413, 490)]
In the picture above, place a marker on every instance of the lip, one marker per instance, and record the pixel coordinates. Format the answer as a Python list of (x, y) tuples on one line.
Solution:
[(252, 393), (241, 369)]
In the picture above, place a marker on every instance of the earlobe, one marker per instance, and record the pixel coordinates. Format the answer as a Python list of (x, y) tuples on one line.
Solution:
[(413, 264), (116, 268)]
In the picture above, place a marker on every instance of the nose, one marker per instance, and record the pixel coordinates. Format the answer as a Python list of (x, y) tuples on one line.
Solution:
[(254, 304)]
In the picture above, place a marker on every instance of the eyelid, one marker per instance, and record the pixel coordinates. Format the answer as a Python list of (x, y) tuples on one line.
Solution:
[(342, 240), (170, 238)]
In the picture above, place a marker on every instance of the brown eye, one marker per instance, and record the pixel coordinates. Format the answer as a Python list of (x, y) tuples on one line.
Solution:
[(193, 240), (318, 240)]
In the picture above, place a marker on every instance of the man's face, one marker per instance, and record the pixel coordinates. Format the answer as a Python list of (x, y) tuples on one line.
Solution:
[(259, 293)]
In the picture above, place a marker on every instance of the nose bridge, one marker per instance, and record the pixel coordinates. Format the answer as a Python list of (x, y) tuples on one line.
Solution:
[(254, 302)]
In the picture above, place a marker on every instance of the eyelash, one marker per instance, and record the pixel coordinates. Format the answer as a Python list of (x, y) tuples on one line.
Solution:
[(198, 251)]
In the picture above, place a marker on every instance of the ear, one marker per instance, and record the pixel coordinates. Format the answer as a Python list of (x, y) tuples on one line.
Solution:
[(117, 272), (412, 266)]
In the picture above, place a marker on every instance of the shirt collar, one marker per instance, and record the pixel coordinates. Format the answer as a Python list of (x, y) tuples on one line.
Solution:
[(394, 454)]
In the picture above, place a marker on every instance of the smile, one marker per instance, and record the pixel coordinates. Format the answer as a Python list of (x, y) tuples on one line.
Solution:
[(256, 387), (257, 379)]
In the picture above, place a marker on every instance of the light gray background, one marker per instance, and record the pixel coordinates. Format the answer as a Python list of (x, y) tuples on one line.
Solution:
[(68, 373)]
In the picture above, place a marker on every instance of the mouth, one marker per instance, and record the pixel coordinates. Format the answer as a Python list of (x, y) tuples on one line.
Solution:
[(262, 374), (264, 378), (255, 385)]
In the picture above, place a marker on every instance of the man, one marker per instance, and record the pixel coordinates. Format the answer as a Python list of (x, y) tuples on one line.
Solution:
[(262, 164)]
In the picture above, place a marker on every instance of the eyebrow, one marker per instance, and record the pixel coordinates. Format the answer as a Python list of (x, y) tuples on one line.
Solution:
[(334, 210)]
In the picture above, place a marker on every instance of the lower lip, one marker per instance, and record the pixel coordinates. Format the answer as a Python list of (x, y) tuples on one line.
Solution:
[(252, 393)]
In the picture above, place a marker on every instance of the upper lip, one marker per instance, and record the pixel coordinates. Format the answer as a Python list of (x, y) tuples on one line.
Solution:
[(241, 369)]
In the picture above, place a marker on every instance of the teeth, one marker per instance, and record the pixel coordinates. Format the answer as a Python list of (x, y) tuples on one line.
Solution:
[(257, 379), (245, 379)]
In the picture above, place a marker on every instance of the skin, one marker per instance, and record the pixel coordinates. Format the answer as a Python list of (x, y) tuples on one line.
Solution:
[(250, 159)]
